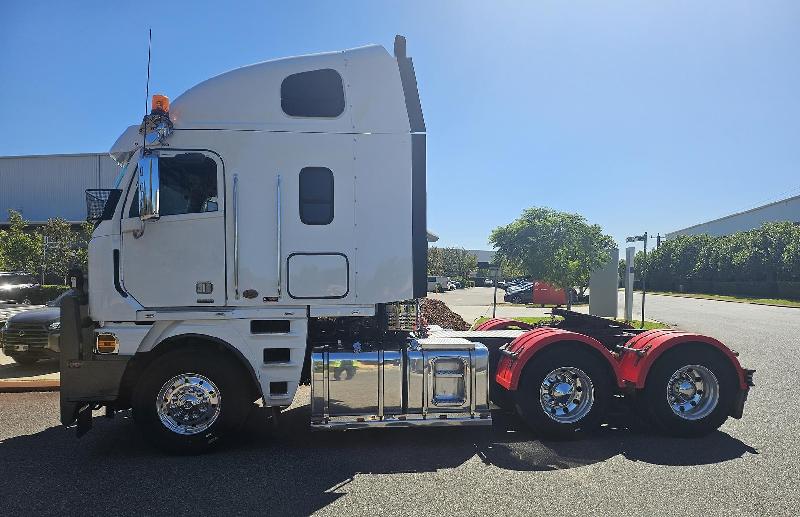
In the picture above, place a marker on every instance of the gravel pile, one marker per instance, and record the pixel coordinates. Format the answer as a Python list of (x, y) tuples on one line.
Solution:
[(435, 312)]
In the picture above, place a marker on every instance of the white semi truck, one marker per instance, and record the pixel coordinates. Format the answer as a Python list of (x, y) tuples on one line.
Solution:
[(268, 229)]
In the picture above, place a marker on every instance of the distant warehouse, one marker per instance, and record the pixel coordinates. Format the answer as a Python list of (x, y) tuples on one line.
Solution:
[(785, 210), (45, 186)]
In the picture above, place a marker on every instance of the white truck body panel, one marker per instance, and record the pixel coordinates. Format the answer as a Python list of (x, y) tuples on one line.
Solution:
[(253, 252)]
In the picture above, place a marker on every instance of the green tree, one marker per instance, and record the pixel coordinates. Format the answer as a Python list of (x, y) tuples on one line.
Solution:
[(64, 248), (558, 247), (453, 262), (19, 250)]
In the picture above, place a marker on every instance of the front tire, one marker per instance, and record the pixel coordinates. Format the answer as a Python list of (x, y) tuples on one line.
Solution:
[(689, 391), (189, 400), (563, 391)]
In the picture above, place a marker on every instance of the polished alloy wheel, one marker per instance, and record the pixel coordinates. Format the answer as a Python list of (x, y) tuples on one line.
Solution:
[(188, 403), (693, 392), (566, 394)]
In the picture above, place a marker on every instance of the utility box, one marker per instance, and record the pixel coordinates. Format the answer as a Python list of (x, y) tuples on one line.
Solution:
[(603, 284)]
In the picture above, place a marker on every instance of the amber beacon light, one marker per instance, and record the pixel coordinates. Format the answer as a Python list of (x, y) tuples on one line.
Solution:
[(160, 103)]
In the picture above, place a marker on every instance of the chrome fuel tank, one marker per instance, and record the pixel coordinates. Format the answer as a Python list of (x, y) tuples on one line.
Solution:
[(362, 385), (434, 381), (446, 376)]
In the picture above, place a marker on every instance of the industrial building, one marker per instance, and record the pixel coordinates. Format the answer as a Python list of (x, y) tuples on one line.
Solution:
[(784, 210), (46, 186)]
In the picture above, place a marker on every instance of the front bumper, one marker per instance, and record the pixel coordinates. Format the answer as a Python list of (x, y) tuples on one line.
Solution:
[(87, 379)]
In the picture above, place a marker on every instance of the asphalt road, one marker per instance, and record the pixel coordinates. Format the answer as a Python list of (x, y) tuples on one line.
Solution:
[(749, 467)]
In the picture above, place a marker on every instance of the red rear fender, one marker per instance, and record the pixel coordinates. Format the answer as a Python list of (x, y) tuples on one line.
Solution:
[(634, 366), (524, 348)]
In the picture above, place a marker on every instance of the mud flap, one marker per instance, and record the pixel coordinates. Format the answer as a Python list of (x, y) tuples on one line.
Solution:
[(84, 419), (738, 406)]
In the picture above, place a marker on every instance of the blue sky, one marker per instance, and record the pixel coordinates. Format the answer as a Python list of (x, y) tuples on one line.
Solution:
[(638, 115)]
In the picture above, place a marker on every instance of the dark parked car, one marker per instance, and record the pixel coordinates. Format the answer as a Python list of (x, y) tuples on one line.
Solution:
[(13, 283), (32, 335)]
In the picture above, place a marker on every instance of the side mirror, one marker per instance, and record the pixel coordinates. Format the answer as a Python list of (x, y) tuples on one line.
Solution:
[(148, 187)]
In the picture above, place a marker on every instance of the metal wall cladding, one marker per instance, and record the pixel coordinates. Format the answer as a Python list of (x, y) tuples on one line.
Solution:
[(448, 375), (359, 384), (43, 187)]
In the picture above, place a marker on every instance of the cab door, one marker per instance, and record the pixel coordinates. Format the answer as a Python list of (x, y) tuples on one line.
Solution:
[(177, 260)]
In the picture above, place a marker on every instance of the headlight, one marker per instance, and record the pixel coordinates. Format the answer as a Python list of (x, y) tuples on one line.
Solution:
[(55, 325)]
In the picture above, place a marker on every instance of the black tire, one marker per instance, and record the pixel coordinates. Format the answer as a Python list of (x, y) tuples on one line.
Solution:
[(233, 392), (655, 407), (527, 397), (25, 360)]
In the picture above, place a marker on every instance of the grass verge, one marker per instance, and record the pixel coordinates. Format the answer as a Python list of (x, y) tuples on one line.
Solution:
[(533, 320), (729, 298)]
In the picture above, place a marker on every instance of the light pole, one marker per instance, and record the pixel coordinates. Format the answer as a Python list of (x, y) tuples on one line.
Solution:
[(642, 238)]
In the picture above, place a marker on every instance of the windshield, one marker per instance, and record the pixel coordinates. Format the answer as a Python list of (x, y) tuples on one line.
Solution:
[(122, 173)]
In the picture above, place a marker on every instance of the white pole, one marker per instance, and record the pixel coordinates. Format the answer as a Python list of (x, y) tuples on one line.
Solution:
[(630, 253)]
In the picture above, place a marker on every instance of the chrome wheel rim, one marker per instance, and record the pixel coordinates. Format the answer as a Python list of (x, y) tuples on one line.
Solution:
[(693, 392), (188, 403), (566, 394)]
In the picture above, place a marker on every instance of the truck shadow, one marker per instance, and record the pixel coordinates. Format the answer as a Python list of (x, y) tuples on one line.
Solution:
[(290, 469)]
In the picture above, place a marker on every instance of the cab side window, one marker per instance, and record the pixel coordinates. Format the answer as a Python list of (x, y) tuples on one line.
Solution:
[(188, 185)]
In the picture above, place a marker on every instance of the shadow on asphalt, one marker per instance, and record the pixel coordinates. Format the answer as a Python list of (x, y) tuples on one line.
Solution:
[(14, 370), (292, 469)]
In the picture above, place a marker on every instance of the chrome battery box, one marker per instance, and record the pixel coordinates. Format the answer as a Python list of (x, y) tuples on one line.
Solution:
[(448, 378), (351, 385)]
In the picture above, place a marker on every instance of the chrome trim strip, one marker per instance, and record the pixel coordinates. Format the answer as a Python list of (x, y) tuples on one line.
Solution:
[(450, 421), (380, 384), (236, 235), (473, 378), (278, 223)]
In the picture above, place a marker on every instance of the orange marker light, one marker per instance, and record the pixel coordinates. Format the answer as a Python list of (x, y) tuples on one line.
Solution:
[(107, 343), (160, 103)]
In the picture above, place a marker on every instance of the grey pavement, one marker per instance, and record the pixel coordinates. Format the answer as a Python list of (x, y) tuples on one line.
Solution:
[(749, 467), (476, 302)]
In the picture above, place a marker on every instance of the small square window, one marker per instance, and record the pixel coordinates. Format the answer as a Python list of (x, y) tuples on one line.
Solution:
[(316, 195)]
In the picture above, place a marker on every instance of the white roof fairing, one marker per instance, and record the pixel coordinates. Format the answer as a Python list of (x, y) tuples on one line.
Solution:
[(249, 97)]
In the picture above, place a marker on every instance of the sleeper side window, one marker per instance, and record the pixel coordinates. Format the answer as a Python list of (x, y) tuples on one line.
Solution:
[(318, 93), (316, 195)]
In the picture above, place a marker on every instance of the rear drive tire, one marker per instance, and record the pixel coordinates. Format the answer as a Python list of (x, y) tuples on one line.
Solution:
[(563, 391), (188, 401), (689, 391)]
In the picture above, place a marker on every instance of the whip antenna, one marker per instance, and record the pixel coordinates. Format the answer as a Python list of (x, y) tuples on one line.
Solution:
[(147, 89)]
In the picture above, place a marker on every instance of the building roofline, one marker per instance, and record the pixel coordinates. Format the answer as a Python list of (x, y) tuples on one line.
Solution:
[(15, 156), (736, 214)]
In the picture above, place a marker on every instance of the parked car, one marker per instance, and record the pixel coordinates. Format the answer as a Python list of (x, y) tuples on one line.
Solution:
[(12, 283), (32, 335), (540, 293), (451, 286)]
